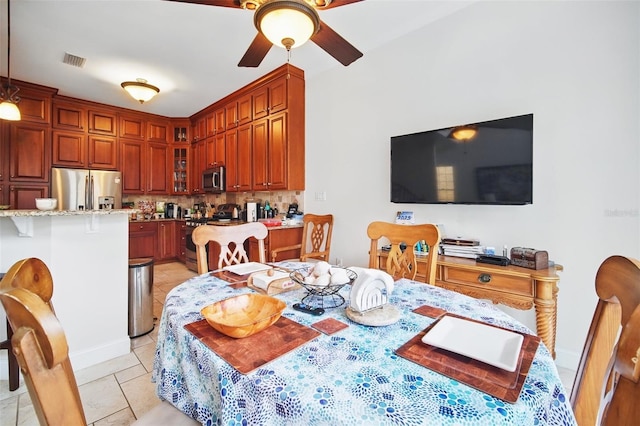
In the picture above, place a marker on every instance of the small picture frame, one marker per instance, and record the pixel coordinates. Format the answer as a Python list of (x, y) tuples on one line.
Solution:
[(405, 218)]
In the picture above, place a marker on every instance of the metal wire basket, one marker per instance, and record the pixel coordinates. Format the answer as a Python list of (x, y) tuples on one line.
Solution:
[(321, 296)]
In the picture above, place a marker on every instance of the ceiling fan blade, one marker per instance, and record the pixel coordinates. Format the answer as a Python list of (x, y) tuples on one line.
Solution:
[(336, 3), (256, 52), (223, 3), (335, 45)]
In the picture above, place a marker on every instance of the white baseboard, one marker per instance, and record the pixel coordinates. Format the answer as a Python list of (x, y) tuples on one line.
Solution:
[(86, 358)]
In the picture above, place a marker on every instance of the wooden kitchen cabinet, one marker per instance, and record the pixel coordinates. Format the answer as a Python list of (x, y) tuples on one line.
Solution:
[(76, 116), (199, 163), (80, 145), (274, 107), (238, 159), (23, 195), (218, 122), (35, 102), (69, 149), (181, 240), (180, 174), (181, 131), (133, 165), (143, 239), (166, 240), (69, 116), (132, 127), (156, 239), (145, 167), (29, 152), (270, 153), (238, 112), (158, 131), (200, 128), (271, 98), (276, 238), (79, 150), (158, 159), (215, 150), (103, 122), (102, 153)]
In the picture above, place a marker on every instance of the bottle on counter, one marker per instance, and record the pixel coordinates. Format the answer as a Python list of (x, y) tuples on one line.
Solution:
[(234, 214), (268, 213)]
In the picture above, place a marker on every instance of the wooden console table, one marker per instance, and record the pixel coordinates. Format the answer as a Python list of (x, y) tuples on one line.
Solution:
[(513, 286)]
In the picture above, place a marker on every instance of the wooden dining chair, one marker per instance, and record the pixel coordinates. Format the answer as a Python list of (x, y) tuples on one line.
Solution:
[(226, 235), (606, 390), (402, 263), (34, 275), (41, 348), (316, 239)]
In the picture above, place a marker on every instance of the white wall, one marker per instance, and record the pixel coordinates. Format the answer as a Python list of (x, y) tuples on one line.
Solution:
[(574, 65)]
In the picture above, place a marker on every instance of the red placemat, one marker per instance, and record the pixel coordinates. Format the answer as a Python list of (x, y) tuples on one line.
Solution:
[(249, 353), (235, 281), (329, 325), (429, 311), (495, 381)]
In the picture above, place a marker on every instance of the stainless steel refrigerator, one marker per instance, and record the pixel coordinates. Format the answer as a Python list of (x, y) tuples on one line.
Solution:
[(81, 189)]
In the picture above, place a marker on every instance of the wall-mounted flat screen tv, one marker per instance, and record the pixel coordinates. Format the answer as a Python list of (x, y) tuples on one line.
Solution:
[(481, 163)]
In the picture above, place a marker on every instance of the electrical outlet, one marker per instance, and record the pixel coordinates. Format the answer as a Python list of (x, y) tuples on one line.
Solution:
[(321, 196)]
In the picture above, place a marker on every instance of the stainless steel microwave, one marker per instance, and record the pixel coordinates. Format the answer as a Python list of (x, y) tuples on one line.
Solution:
[(213, 180)]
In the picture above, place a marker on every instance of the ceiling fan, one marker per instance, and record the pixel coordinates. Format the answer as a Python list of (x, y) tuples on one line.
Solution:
[(269, 17)]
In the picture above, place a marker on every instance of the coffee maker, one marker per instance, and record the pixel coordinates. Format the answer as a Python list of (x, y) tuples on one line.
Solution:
[(252, 211), (169, 210)]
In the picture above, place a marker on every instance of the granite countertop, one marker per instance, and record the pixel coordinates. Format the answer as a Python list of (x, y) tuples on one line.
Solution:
[(32, 213)]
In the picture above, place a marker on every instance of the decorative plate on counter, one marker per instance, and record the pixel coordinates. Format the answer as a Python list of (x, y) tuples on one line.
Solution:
[(5, 207)]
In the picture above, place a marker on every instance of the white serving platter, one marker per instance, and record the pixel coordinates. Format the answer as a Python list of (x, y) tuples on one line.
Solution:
[(246, 268), (491, 345)]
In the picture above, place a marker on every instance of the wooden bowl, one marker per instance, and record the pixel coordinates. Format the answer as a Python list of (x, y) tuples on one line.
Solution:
[(244, 315)]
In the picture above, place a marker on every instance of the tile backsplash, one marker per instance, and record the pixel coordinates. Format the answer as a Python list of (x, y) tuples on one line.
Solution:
[(277, 199)]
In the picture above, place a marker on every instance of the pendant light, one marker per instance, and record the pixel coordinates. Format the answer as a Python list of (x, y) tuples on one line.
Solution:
[(9, 101)]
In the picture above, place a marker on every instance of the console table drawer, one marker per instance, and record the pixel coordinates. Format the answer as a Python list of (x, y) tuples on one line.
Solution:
[(489, 281)]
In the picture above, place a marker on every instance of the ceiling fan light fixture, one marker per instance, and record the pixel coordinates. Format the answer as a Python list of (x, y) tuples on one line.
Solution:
[(140, 90), (287, 23), (463, 133)]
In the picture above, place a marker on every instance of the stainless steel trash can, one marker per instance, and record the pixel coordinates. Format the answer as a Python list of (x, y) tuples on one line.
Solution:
[(140, 296)]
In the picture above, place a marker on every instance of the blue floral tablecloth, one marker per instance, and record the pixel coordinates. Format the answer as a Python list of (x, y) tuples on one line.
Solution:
[(352, 377)]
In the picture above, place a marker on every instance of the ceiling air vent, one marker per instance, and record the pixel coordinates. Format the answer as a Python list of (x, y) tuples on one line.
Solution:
[(74, 60)]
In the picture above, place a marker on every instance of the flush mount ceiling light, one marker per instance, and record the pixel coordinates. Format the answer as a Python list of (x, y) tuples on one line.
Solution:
[(140, 90), (9, 106), (287, 23), (463, 133)]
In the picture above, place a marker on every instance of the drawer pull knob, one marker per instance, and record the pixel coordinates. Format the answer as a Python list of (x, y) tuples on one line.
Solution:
[(484, 278)]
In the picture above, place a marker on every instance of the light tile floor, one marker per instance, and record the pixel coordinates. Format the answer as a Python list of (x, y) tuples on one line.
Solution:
[(115, 392), (118, 391)]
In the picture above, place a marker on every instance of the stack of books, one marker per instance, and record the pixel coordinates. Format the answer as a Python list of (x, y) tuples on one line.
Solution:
[(461, 247)]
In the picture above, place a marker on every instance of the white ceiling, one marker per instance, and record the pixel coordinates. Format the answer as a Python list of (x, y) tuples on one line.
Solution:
[(189, 51)]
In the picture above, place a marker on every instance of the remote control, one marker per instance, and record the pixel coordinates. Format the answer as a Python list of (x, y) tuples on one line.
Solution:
[(308, 309)]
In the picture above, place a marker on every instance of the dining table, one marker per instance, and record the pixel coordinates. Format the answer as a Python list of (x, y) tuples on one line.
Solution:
[(346, 374)]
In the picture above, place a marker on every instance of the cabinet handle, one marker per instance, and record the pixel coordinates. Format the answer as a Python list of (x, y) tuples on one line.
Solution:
[(141, 226), (484, 278)]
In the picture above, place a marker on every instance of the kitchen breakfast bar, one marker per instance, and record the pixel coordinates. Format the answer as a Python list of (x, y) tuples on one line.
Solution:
[(87, 253)]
